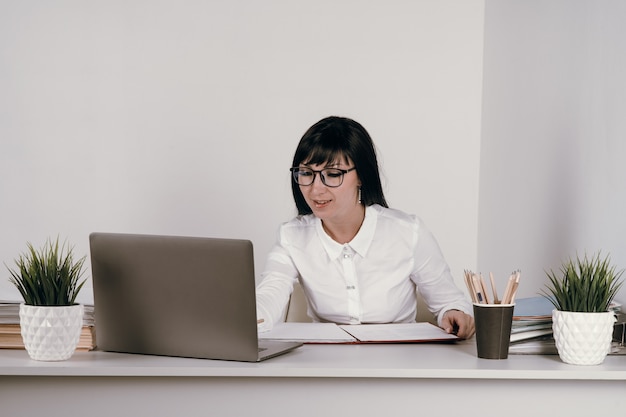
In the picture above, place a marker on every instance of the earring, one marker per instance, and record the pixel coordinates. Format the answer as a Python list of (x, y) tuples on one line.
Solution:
[(359, 195)]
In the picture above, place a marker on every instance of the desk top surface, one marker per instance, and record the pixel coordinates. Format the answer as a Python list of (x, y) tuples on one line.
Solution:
[(424, 361)]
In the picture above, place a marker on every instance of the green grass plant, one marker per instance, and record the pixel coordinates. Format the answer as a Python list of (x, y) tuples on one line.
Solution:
[(584, 285), (48, 276)]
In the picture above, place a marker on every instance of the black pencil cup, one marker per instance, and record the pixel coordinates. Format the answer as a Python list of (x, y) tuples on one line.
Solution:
[(493, 330)]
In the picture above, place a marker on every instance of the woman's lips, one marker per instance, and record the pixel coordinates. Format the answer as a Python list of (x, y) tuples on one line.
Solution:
[(321, 203)]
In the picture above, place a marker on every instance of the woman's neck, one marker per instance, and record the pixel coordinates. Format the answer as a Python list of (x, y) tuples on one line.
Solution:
[(344, 231)]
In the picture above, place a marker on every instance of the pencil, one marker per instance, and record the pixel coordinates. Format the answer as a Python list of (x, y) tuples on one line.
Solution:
[(493, 289), (515, 285), (470, 287), (478, 289), (511, 288), (483, 289), (508, 289)]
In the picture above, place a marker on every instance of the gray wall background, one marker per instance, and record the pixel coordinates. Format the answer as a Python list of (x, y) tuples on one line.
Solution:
[(553, 147), (498, 122), (181, 117)]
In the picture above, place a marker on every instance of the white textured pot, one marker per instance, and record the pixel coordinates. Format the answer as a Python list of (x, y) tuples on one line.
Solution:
[(583, 338), (51, 333)]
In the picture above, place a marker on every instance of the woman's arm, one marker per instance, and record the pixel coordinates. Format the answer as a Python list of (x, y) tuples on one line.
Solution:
[(434, 280), (274, 290)]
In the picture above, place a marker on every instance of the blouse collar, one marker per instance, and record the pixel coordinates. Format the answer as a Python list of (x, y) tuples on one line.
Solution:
[(360, 243)]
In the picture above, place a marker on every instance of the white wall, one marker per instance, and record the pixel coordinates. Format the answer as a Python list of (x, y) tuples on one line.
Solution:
[(181, 117), (553, 140)]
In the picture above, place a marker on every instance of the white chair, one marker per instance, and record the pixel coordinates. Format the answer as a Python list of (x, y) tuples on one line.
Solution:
[(296, 310)]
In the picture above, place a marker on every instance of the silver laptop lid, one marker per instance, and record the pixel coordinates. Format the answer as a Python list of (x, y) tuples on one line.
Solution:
[(174, 296)]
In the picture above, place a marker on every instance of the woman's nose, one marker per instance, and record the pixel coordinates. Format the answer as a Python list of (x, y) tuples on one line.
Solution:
[(317, 181)]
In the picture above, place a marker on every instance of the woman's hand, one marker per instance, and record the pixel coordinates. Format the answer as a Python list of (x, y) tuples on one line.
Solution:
[(459, 323)]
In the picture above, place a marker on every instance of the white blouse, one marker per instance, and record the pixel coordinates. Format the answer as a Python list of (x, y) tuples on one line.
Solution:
[(371, 279)]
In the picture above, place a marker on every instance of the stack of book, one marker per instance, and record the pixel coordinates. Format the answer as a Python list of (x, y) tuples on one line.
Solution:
[(10, 333), (531, 331), (532, 317)]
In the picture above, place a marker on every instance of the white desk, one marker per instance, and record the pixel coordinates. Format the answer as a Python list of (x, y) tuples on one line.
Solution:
[(314, 380)]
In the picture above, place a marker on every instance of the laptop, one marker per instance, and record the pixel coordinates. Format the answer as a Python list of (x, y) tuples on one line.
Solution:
[(177, 296)]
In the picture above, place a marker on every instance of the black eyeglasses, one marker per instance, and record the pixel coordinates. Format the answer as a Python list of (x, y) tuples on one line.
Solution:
[(331, 177)]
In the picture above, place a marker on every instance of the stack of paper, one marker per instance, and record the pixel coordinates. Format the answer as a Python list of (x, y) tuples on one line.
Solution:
[(10, 332)]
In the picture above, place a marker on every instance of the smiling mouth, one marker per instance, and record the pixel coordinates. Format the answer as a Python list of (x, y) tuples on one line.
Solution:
[(320, 203)]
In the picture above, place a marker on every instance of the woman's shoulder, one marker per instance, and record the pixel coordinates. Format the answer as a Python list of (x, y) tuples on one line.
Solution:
[(303, 220), (298, 230), (298, 224), (394, 215), (400, 224)]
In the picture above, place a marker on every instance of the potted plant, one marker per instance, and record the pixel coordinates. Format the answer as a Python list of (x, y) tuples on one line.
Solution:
[(49, 279), (582, 321)]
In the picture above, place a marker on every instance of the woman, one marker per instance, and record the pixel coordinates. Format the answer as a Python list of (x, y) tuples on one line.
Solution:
[(357, 260)]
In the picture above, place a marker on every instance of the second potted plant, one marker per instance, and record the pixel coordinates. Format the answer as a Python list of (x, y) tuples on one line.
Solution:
[(582, 321), (49, 280)]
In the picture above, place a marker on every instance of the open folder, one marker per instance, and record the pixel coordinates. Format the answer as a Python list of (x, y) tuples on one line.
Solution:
[(357, 333)]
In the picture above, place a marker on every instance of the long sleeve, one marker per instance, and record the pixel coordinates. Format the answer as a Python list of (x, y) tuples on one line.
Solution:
[(433, 278), (276, 286)]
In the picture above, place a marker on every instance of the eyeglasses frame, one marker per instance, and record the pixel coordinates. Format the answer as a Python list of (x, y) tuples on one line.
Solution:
[(315, 172)]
